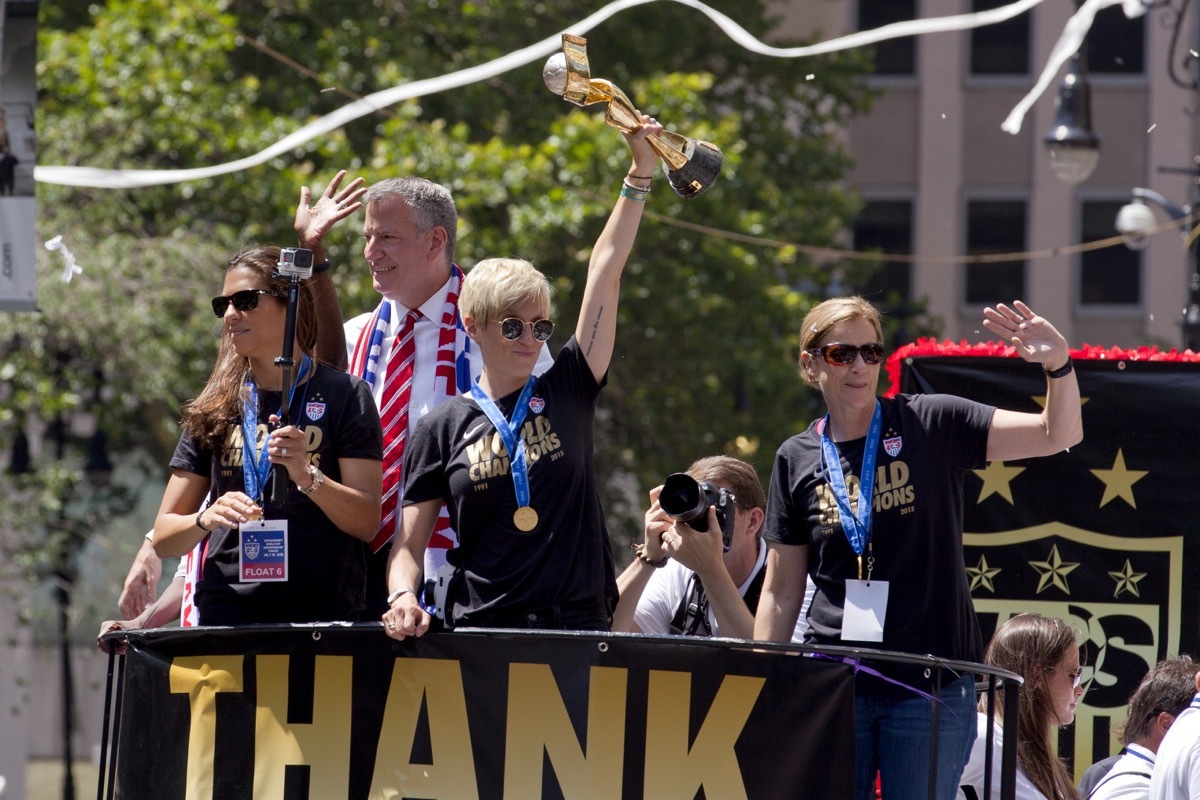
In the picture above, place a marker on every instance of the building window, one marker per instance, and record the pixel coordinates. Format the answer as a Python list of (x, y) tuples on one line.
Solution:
[(995, 226), (1000, 49), (1111, 276), (885, 226), (892, 56), (1116, 45)]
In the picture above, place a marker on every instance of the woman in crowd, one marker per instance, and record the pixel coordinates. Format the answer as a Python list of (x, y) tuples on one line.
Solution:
[(1043, 651), (910, 454), (512, 461), (303, 561)]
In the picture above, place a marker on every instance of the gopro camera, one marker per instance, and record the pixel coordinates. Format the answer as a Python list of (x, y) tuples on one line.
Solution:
[(295, 261)]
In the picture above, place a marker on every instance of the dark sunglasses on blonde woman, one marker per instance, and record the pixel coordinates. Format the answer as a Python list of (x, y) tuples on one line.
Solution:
[(842, 355)]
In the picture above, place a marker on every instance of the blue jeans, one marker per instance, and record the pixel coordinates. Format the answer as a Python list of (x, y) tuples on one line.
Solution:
[(892, 737)]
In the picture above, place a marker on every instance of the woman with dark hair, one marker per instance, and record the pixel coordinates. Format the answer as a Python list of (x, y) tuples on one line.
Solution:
[(1042, 650), (299, 562)]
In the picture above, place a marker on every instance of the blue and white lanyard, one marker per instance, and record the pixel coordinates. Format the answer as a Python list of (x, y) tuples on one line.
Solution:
[(856, 526), (256, 466), (508, 433)]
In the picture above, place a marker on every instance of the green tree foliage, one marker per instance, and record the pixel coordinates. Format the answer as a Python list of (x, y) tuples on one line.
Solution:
[(706, 350)]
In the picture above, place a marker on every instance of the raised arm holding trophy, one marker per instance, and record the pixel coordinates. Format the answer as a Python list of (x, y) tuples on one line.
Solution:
[(692, 165)]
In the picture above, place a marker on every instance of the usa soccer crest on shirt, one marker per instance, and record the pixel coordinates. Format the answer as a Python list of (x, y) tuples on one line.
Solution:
[(314, 410), (892, 446), (537, 405)]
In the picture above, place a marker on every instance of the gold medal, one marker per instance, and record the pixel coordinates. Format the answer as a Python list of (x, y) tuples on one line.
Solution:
[(525, 518)]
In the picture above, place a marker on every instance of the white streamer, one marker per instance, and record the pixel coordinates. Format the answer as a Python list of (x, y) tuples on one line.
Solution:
[(131, 179), (1072, 37), (70, 268)]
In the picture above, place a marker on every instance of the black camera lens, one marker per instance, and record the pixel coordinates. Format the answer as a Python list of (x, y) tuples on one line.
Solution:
[(683, 499)]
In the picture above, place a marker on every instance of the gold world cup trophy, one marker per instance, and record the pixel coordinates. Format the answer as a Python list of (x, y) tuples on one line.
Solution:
[(691, 164)]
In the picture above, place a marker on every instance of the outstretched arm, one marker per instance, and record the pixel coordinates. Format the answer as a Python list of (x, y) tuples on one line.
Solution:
[(597, 328), (313, 223), (1016, 434)]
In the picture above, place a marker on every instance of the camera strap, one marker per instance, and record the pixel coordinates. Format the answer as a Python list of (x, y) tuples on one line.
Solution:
[(691, 618)]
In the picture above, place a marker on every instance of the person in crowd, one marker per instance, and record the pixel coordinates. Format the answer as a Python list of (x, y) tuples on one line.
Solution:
[(1176, 774), (1043, 651), (910, 454), (140, 589), (303, 560), (8, 171), (1163, 694), (410, 234), (159, 612), (513, 460), (683, 581)]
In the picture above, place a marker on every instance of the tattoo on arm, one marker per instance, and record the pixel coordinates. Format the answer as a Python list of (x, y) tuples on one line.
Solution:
[(595, 324)]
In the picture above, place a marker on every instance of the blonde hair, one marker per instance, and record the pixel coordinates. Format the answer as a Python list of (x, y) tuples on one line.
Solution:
[(826, 316), (496, 284)]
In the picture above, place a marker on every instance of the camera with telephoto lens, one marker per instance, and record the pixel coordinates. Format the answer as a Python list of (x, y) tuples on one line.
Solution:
[(295, 261), (687, 500)]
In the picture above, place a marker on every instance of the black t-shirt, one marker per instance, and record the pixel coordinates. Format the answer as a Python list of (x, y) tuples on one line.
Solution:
[(457, 456), (928, 444), (326, 567)]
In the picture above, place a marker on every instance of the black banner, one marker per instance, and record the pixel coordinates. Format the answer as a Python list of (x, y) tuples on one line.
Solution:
[(343, 711), (1099, 536)]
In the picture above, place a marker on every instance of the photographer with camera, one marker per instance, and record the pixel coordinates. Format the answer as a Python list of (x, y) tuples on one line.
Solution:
[(700, 567), (298, 560)]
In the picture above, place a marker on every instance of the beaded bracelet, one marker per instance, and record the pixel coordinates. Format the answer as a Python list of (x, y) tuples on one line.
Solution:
[(635, 193), (639, 551)]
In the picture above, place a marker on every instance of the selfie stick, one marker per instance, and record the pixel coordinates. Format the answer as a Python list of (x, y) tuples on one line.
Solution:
[(290, 261)]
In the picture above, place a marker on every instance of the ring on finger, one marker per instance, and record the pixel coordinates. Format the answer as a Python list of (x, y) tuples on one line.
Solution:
[(283, 451)]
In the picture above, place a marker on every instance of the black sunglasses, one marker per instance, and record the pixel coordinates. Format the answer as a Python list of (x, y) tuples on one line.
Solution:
[(245, 300), (843, 355), (512, 328)]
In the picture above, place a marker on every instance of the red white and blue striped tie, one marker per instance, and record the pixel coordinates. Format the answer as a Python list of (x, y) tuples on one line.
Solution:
[(397, 391)]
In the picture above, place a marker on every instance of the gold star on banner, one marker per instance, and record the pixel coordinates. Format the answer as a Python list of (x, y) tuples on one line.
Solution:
[(1127, 580), (982, 575), (1119, 481), (1054, 570), (996, 478)]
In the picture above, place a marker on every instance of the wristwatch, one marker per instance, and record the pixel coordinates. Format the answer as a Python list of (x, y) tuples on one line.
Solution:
[(394, 596), (318, 478)]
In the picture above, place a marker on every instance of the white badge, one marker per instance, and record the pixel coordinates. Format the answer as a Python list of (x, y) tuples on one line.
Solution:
[(440, 587), (865, 610), (263, 550)]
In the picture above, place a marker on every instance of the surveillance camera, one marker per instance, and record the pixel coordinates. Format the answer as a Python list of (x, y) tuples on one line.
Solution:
[(1136, 221)]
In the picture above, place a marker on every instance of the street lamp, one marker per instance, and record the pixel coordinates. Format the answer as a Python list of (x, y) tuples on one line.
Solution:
[(1136, 222), (98, 470), (1074, 147)]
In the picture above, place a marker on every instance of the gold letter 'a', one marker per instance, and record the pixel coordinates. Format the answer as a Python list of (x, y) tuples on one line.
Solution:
[(201, 677), (452, 773)]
